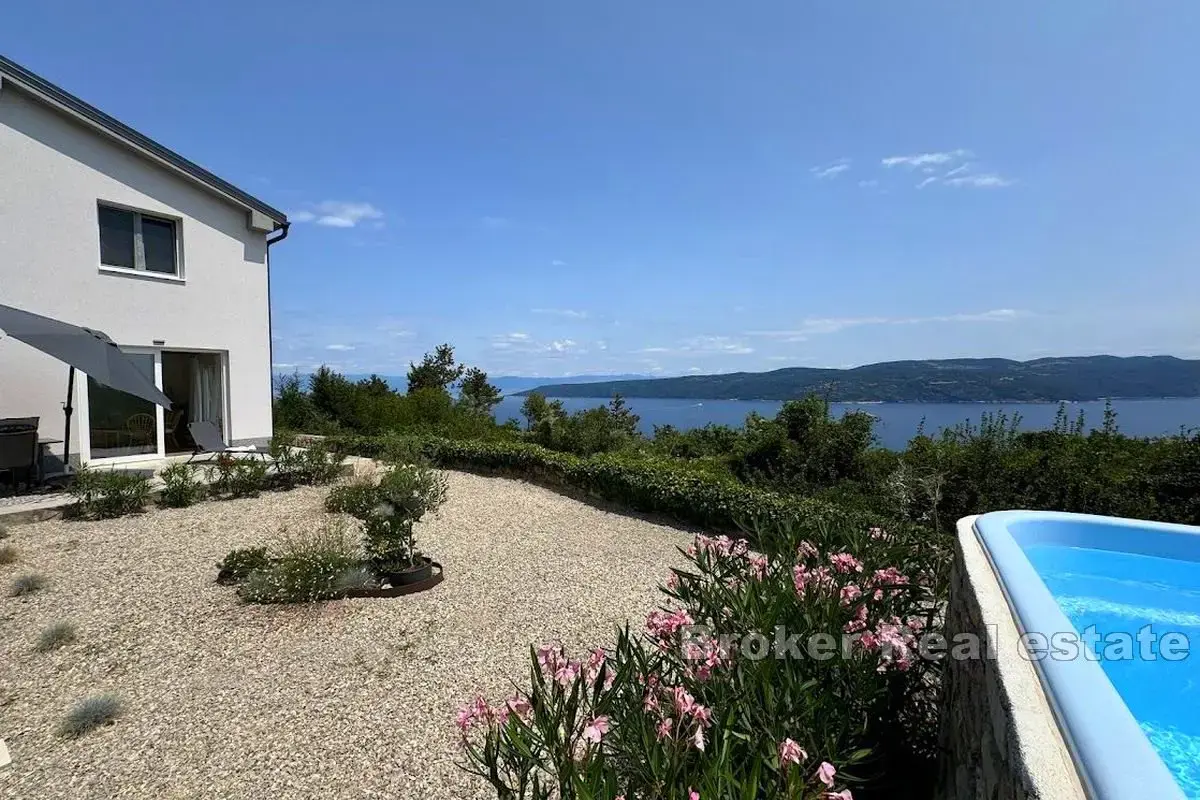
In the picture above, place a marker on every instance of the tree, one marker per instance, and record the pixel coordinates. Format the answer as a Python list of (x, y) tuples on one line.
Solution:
[(475, 393), (437, 370)]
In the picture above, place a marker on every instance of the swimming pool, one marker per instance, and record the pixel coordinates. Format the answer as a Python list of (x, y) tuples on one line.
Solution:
[(1110, 607)]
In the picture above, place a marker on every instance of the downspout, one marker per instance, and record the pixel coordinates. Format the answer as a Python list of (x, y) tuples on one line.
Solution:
[(287, 226)]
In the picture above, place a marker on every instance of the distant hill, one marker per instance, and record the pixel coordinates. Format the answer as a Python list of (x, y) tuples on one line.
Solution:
[(512, 384), (955, 380)]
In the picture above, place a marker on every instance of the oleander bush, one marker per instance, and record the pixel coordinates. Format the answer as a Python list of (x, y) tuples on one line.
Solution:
[(231, 476), (311, 465), (104, 494), (90, 714), (791, 671), (181, 486)]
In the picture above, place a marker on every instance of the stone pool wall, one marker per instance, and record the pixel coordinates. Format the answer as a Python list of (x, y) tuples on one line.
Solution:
[(999, 738)]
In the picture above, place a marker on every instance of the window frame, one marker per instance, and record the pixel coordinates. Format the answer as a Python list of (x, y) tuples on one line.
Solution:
[(139, 267)]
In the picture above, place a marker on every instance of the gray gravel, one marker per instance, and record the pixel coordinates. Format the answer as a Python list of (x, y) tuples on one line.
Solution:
[(346, 699)]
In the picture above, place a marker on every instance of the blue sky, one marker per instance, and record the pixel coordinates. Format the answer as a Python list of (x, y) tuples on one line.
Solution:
[(665, 187)]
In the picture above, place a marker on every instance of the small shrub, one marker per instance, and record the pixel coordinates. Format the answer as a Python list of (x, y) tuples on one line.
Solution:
[(109, 493), (240, 563), (8, 554), (406, 494), (181, 487), (26, 584), (90, 714), (232, 476), (3, 532), (55, 636), (356, 498), (306, 567), (313, 464)]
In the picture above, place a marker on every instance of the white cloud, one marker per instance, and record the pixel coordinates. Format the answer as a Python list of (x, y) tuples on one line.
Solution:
[(831, 170), (988, 180), (694, 370), (716, 344), (926, 159), (561, 312), (949, 168), (655, 350), (827, 325), (339, 214), (557, 263), (562, 346), (339, 347)]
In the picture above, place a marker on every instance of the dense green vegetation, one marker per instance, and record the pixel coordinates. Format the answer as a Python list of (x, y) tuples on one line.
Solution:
[(719, 475), (944, 381)]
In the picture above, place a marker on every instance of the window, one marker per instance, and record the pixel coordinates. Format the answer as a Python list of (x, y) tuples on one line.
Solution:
[(130, 240)]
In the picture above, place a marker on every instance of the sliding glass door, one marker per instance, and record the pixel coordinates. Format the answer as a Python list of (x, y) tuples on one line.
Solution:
[(121, 425)]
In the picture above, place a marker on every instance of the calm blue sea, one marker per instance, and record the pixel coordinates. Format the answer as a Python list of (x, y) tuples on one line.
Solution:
[(896, 423)]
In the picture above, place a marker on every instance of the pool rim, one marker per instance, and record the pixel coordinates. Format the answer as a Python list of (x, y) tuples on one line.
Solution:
[(1111, 754)]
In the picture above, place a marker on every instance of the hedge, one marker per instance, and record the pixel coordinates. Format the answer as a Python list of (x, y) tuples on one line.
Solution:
[(652, 484)]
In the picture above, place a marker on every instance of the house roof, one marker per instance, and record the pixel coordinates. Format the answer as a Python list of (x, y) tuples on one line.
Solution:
[(47, 91)]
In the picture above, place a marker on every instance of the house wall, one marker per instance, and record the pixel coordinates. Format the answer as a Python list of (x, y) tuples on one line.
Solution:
[(53, 170)]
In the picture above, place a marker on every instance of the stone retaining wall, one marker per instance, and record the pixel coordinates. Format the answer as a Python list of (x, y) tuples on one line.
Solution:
[(999, 739)]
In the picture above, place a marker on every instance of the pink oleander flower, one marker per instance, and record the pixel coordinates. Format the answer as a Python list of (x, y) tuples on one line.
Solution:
[(888, 577), (819, 579), (684, 702), (665, 727), (844, 794), (693, 794), (791, 753), (550, 658), (567, 673), (850, 592), (596, 661), (825, 773), (518, 705), (650, 701), (845, 563), (698, 738), (664, 624), (806, 550), (758, 567), (595, 729), (673, 582), (702, 715), (472, 714), (859, 623), (896, 645)]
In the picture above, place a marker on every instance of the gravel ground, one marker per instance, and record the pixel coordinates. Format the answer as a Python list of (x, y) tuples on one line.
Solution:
[(346, 699)]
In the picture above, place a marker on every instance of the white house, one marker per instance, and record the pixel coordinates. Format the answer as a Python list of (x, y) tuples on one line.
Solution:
[(102, 227)]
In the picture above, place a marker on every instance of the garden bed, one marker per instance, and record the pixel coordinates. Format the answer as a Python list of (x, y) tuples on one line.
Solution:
[(348, 698)]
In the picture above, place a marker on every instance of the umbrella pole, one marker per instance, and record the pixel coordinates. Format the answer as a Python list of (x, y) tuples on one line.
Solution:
[(67, 409)]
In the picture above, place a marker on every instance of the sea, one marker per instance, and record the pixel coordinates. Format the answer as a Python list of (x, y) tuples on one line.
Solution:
[(896, 423)]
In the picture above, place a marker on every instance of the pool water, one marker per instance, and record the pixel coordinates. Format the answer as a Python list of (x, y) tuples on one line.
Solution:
[(1119, 592)]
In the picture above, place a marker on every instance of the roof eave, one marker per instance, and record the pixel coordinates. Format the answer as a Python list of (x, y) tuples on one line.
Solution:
[(71, 105)]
